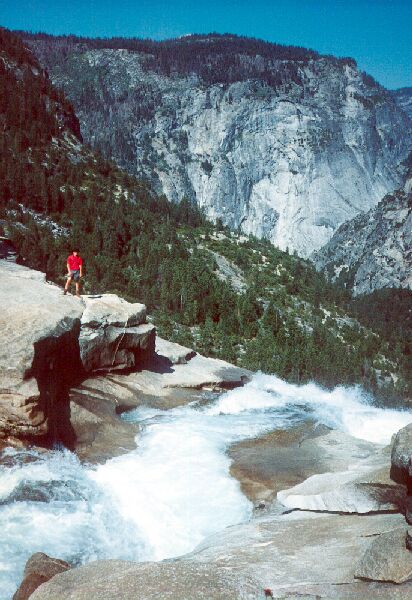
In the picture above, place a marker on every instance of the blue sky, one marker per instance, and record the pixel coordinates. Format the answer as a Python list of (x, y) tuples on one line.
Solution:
[(377, 33)]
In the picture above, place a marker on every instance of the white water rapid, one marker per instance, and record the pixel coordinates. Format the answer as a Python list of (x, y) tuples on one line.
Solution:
[(166, 496)]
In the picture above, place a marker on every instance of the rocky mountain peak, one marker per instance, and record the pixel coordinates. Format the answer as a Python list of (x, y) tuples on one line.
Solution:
[(277, 141)]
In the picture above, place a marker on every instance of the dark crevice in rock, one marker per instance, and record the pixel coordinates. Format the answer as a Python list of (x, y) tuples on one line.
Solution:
[(347, 513), (56, 368)]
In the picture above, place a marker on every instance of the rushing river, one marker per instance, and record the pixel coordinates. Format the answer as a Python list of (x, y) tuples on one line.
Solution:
[(163, 498)]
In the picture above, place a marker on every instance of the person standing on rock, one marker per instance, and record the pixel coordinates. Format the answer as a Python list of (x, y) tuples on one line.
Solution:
[(75, 271)]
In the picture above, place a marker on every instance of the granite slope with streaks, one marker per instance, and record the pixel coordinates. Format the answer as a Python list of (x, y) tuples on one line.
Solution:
[(290, 162), (374, 250)]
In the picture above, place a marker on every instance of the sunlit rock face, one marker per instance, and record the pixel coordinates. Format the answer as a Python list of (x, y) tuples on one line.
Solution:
[(403, 98), (373, 250), (289, 161)]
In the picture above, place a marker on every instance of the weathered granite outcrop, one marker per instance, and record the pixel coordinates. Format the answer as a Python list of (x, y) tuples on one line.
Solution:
[(39, 569), (39, 355), (401, 458), (114, 333), (337, 474), (363, 487), (373, 250), (48, 344), (311, 467)]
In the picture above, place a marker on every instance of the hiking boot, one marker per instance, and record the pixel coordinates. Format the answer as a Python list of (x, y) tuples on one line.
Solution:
[(65, 292)]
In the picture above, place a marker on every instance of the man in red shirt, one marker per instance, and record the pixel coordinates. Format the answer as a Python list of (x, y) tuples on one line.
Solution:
[(75, 271)]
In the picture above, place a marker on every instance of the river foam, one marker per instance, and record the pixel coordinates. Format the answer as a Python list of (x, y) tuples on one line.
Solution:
[(174, 490), (348, 409)]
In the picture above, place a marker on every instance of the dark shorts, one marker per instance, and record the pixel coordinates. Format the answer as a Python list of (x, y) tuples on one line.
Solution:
[(75, 275)]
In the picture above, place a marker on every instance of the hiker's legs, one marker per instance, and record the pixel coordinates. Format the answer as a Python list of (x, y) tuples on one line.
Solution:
[(68, 282), (77, 288)]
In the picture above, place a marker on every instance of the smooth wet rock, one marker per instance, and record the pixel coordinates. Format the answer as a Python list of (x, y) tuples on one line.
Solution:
[(39, 354), (173, 580), (386, 559), (401, 458), (100, 433), (362, 488), (39, 569), (284, 458)]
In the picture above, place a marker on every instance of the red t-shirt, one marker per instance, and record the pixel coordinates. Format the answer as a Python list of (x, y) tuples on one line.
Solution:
[(74, 262)]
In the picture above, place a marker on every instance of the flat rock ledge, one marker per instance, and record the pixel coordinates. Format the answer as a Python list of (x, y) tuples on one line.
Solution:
[(296, 556), (112, 580), (386, 559)]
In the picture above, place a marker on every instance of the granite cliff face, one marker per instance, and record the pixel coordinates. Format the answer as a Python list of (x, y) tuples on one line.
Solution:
[(284, 144), (403, 98), (374, 250)]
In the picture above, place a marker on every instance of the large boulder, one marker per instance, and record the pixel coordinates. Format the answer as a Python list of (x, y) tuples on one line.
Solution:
[(401, 459), (386, 559), (39, 569), (39, 354), (114, 333)]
